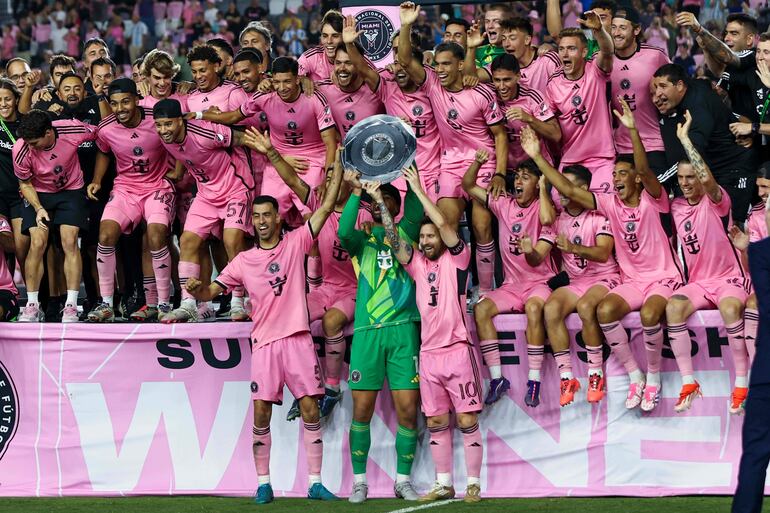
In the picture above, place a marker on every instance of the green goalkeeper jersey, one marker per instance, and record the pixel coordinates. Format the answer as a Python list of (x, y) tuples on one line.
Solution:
[(385, 295)]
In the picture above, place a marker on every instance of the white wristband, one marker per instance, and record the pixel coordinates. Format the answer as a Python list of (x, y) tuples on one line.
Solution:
[(198, 115)]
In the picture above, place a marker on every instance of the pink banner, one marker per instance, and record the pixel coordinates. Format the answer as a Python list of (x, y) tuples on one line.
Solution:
[(149, 409)]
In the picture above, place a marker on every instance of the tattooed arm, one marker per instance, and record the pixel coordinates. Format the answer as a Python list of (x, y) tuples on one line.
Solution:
[(718, 54), (401, 249), (702, 170)]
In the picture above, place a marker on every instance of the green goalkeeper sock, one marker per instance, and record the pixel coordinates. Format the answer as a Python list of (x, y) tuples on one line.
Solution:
[(360, 440), (406, 445)]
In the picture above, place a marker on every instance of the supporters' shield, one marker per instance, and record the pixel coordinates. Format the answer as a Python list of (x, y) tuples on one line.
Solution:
[(379, 147)]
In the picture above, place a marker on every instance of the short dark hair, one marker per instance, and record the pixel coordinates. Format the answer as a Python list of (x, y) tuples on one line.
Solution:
[(250, 55), (95, 41), (105, 61), (222, 44), (673, 72), (573, 32), (333, 18), (764, 171), (457, 21), (610, 5), (342, 47), (285, 65), (62, 61), (261, 200), (203, 53), (580, 172), (457, 51), (34, 124), (507, 62), (6, 83), (139, 61), (70, 75), (628, 159), (530, 167), (518, 23), (506, 8), (748, 22)]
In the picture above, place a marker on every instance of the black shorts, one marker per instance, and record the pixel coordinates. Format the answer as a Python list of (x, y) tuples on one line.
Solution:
[(11, 205), (63, 207), (741, 189), (9, 304), (90, 234)]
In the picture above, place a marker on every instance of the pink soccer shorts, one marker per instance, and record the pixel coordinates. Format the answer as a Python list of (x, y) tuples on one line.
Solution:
[(579, 287), (636, 293), (204, 217), (450, 380), (450, 179), (511, 297), (290, 361), (706, 295), (326, 297), (128, 210), (601, 173)]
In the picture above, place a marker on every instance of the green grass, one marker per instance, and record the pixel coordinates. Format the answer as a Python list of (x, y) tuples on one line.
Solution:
[(226, 505)]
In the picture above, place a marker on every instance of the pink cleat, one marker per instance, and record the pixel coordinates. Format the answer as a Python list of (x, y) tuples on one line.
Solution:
[(651, 397), (635, 393)]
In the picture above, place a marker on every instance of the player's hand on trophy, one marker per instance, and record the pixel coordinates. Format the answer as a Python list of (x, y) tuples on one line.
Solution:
[(352, 176), (373, 190), (413, 178)]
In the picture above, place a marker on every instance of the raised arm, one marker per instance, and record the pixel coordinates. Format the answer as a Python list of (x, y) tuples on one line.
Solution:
[(471, 175), (261, 143), (642, 166), (349, 37), (319, 217), (553, 20), (547, 212), (606, 48), (718, 54), (351, 238), (473, 41), (702, 170), (448, 235), (531, 145), (30, 81), (408, 12)]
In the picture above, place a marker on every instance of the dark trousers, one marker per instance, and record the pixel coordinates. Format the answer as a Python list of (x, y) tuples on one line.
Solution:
[(756, 451)]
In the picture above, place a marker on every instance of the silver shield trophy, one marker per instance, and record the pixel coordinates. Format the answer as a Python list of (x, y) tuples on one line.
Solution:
[(379, 147)]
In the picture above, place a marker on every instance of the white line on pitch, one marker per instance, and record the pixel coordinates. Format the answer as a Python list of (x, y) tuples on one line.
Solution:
[(426, 506)]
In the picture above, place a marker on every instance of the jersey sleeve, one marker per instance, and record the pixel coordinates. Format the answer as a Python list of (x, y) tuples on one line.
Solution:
[(304, 65), (323, 113), (460, 255), (495, 205), (593, 68), (103, 143), (223, 135), (432, 82), (232, 275), (542, 110), (251, 106), (724, 205), (547, 234), (603, 226), (302, 238), (22, 161), (604, 203), (660, 204), (90, 133), (493, 114), (414, 265)]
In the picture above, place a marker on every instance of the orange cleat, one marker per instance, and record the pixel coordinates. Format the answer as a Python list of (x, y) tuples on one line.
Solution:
[(686, 396)]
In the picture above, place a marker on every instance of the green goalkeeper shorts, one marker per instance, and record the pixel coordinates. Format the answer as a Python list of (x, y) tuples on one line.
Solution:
[(392, 352)]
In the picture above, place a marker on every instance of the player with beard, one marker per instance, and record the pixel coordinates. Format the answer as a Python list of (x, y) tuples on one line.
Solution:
[(527, 267), (493, 17), (256, 35), (604, 9), (635, 63), (283, 352), (577, 94), (141, 193), (648, 266), (715, 275), (45, 97), (318, 63), (226, 55)]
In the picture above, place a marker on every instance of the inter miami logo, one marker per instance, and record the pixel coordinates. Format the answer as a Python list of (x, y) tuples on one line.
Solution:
[(58, 170), (516, 228), (377, 31), (138, 151), (350, 115), (687, 226), (631, 227), (9, 410), (254, 387), (355, 376), (417, 110), (262, 117), (630, 237), (577, 100), (291, 125), (273, 268), (452, 114), (625, 84), (431, 277)]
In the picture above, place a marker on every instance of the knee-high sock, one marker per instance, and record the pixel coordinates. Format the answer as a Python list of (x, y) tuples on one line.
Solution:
[(314, 272), (360, 439), (751, 322), (564, 363), (490, 352), (150, 290), (681, 346), (188, 270), (474, 451), (594, 360), (161, 266), (406, 445), (261, 444), (105, 265), (441, 448), (485, 265), (535, 355), (735, 338), (617, 338), (335, 352), (314, 449), (653, 342)]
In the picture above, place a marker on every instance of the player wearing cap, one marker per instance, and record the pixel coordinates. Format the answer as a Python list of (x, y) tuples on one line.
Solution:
[(283, 352), (50, 178), (140, 192)]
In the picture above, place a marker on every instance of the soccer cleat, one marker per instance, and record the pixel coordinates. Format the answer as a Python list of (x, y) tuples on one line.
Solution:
[(595, 388), (181, 314), (224, 305), (359, 493), (497, 389), (32, 313), (651, 397), (439, 492), (405, 490), (532, 398), (145, 314), (738, 400), (70, 314), (238, 314), (102, 313), (163, 311), (293, 412), (686, 396), (320, 493), (205, 312), (635, 393), (329, 401), (569, 388), (264, 494), (472, 493)]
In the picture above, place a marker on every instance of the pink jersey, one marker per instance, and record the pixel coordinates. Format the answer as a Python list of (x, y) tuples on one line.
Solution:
[(6, 278), (348, 108), (702, 232), (58, 168), (149, 101), (535, 75), (755, 224), (532, 102), (417, 108), (584, 229), (631, 80), (440, 294), (335, 261), (141, 159), (642, 247), (205, 152), (584, 114), (217, 97), (463, 118), (277, 277), (514, 222), (295, 127), (315, 65)]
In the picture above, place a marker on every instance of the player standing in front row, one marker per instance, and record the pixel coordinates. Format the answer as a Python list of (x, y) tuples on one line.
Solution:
[(283, 352), (449, 373)]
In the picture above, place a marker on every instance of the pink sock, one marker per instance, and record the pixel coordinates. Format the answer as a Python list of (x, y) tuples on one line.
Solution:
[(535, 355), (335, 351), (485, 265), (751, 321), (187, 270), (490, 352), (617, 338), (653, 341), (441, 448), (161, 265), (239, 292), (737, 344), (260, 445), (314, 272), (474, 450), (150, 291), (105, 265), (594, 358), (563, 361), (314, 447), (681, 346)]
